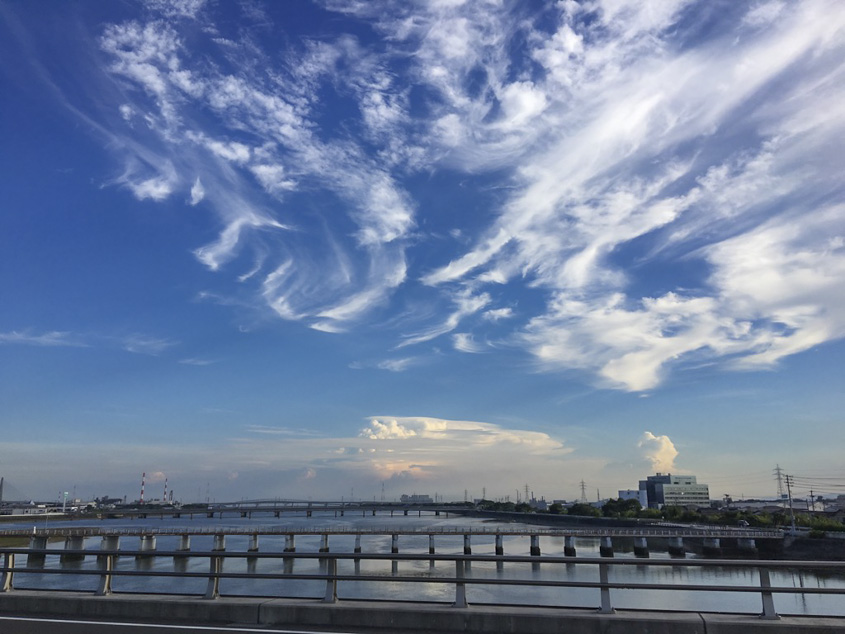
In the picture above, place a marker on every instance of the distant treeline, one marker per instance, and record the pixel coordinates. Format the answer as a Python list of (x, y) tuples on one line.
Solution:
[(630, 509)]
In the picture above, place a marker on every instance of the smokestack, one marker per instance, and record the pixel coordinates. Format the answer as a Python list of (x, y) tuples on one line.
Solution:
[(143, 481), (1, 489)]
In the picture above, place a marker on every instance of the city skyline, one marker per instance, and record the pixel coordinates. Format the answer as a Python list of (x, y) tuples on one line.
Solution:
[(298, 249)]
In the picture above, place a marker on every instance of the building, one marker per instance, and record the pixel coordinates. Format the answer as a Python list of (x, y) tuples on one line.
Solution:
[(416, 499), (634, 494), (674, 490)]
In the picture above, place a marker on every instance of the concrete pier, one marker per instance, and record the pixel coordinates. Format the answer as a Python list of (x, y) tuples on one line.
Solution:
[(676, 547), (394, 544), (606, 547), (535, 545), (748, 547), (184, 544), (290, 544), (641, 547), (253, 543), (467, 545), (500, 549), (324, 543), (569, 546), (712, 547), (147, 544), (219, 542), (431, 544), (109, 542), (357, 548), (73, 542), (37, 542)]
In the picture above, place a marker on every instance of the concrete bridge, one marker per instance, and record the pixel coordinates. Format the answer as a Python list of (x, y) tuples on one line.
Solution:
[(675, 540)]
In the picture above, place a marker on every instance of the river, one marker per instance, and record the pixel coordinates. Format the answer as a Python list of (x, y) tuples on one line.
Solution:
[(704, 601)]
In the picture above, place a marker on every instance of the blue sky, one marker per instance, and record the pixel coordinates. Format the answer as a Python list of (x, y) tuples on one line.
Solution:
[(314, 249)]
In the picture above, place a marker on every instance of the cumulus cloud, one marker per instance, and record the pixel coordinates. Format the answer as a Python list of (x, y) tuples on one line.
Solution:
[(659, 451)]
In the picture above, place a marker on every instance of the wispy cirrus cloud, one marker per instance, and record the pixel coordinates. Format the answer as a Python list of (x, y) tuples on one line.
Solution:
[(635, 153), (52, 338)]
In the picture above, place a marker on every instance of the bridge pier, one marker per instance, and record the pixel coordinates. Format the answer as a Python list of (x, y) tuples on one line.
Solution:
[(219, 542), (747, 546), (147, 545), (108, 542), (290, 545), (276, 513), (606, 547), (437, 513), (394, 544), (569, 546), (37, 542), (641, 547), (73, 542), (405, 512), (253, 543), (500, 549), (712, 547), (467, 544), (324, 543), (676, 547), (307, 513), (184, 544), (535, 546)]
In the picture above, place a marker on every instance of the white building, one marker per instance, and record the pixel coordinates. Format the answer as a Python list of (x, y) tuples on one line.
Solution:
[(635, 494)]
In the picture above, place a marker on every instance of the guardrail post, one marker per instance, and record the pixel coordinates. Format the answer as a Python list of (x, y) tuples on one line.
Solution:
[(104, 588), (460, 586), (6, 579), (213, 589), (768, 601), (331, 581), (606, 607)]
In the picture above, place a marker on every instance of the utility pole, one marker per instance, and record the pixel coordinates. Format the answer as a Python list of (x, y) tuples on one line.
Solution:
[(789, 493)]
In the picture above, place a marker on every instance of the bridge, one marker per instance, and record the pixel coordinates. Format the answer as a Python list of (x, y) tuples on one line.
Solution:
[(327, 589)]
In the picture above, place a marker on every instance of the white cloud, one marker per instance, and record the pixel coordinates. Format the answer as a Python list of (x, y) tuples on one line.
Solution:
[(52, 338), (197, 192), (659, 451), (143, 344)]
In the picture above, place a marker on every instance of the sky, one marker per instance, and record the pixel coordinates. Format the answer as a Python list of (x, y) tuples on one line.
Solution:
[(360, 249)]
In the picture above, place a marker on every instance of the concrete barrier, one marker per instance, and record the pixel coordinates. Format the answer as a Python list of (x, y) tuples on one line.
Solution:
[(396, 617)]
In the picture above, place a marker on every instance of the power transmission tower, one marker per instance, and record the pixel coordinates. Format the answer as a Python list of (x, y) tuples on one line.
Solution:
[(526, 494), (583, 492), (779, 475)]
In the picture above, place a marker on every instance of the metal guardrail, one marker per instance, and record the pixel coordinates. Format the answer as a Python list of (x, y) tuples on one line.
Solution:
[(462, 577)]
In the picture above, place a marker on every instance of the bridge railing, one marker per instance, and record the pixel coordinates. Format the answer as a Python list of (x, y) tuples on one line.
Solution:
[(335, 578)]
